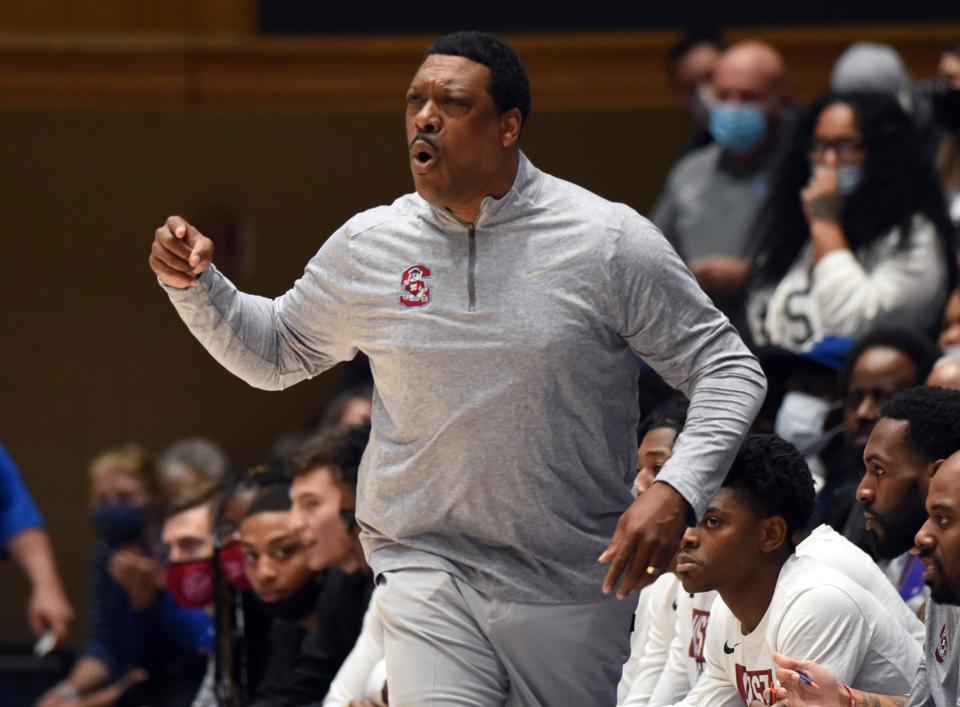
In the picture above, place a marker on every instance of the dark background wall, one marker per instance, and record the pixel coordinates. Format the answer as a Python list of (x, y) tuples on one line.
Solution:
[(298, 17)]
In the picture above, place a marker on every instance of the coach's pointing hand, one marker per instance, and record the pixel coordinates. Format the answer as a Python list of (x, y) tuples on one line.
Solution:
[(647, 537), (180, 253)]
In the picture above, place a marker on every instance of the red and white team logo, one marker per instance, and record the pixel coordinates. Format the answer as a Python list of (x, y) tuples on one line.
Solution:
[(752, 683), (699, 637), (943, 647), (417, 292)]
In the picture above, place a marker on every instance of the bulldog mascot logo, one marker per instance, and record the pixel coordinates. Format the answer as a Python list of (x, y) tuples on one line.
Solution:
[(416, 291)]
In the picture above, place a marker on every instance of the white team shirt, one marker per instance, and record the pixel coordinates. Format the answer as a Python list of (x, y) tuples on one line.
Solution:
[(653, 625), (685, 661), (816, 613)]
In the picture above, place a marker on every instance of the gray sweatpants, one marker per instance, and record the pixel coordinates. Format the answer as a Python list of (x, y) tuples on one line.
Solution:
[(448, 645)]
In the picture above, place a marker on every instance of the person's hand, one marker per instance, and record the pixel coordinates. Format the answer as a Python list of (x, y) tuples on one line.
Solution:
[(827, 693), (60, 695), (49, 610), (137, 574), (180, 253), (721, 275), (361, 703), (821, 197), (647, 537)]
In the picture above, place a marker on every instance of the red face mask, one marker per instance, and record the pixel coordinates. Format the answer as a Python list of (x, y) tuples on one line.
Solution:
[(233, 564), (190, 583)]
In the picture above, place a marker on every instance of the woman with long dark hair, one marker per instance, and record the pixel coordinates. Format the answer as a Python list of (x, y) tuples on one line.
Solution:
[(855, 230)]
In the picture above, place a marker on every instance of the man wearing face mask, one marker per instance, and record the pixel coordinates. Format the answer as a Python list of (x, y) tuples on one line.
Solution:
[(712, 195), (187, 539), (855, 232), (810, 413)]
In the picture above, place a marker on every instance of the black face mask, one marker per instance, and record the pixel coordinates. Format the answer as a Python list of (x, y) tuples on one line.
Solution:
[(298, 605), (946, 106), (119, 524)]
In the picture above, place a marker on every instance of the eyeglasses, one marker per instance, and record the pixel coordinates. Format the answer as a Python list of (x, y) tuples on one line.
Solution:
[(843, 149)]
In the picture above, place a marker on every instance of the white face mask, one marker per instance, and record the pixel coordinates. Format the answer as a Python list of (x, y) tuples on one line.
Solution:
[(800, 421)]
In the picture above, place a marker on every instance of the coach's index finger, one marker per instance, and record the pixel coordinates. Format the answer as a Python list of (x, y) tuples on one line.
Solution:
[(167, 236)]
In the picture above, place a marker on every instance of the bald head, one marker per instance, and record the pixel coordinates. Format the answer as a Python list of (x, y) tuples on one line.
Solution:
[(946, 373), (750, 72)]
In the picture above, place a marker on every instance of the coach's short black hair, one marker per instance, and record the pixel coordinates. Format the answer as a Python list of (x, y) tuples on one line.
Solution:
[(340, 448), (509, 85), (774, 476), (933, 420), (920, 349)]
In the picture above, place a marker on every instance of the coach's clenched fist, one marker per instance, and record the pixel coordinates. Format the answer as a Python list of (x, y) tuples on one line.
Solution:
[(180, 253)]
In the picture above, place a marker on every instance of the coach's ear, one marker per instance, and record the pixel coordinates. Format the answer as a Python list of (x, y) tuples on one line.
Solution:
[(773, 533)]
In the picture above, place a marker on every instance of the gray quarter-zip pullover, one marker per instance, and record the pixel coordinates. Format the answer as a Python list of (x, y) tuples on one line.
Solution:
[(505, 359)]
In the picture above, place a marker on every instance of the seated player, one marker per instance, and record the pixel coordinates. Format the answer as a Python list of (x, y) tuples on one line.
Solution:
[(770, 600), (685, 661), (905, 468), (653, 623)]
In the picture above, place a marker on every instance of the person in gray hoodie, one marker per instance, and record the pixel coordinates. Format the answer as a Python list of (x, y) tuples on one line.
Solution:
[(504, 312)]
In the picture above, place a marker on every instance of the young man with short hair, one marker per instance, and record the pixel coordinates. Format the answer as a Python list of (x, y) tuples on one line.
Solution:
[(323, 494), (771, 600)]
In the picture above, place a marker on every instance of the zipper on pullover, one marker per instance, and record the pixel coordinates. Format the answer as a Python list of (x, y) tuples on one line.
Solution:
[(472, 268), (471, 260)]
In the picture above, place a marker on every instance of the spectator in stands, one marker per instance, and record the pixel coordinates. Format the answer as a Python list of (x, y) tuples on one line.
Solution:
[(691, 64), (950, 328), (854, 231), (241, 650), (946, 106), (135, 627), (804, 392), (351, 407), (23, 536), (323, 492), (276, 565), (712, 194), (188, 549), (190, 467), (936, 681), (771, 600), (880, 365), (946, 372)]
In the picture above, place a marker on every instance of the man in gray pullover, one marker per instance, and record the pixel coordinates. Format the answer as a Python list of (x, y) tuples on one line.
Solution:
[(504, 312)]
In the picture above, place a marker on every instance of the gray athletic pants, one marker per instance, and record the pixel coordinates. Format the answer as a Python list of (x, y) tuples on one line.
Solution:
[(448, 645)]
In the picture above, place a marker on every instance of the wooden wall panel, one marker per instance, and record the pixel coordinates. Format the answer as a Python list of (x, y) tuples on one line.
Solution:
[(588, 71)]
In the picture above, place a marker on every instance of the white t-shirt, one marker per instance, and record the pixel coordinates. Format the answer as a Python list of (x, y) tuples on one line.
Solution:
[(363, 674), (816, 613), (685, 663), (653, 626)]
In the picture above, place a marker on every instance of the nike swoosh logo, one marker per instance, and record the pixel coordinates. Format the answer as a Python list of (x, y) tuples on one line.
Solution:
[(727, 649)]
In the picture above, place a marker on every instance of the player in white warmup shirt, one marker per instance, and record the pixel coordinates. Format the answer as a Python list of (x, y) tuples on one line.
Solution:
[(770, 600)]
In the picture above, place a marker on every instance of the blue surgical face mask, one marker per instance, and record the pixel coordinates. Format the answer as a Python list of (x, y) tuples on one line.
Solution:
[(119, 524), (849, 177), (738, 127)]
